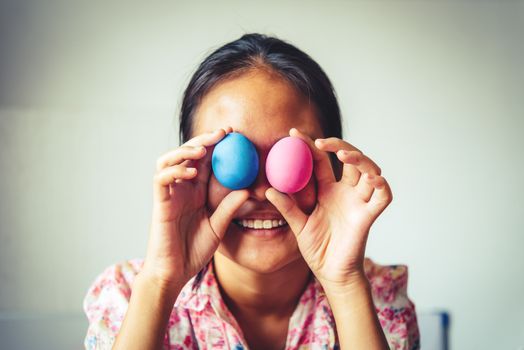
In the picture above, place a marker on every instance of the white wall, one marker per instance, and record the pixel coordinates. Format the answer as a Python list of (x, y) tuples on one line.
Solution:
[(432, 91)]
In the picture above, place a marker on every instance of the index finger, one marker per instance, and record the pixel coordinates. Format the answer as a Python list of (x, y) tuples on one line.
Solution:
[(355, 156), (209, 139), (322, 164)]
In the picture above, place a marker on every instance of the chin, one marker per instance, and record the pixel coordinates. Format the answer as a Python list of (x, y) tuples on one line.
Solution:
[(260, 253)]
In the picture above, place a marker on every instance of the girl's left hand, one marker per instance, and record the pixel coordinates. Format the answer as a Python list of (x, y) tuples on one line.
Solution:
[(332, 239)]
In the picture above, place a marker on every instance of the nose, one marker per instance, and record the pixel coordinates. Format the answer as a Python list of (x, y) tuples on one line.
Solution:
[(258, 188)]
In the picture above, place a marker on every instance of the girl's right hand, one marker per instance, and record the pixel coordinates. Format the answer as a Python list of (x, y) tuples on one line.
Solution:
[(183, 235)]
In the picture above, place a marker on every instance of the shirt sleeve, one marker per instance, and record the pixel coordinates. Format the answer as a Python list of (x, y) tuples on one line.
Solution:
[(396, 312), (105, 304)]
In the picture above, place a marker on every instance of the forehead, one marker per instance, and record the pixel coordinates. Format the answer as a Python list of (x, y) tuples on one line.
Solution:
[(259, 104)]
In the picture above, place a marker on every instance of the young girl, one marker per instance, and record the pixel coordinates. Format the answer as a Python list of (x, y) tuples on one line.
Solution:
[(256, 268)]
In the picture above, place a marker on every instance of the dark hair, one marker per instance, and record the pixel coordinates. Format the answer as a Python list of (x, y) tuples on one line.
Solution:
[(253, 51)]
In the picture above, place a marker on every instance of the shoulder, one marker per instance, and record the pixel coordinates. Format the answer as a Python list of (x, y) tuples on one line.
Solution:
[(387, 281), (106, 301), (114, 280), (395, 310)]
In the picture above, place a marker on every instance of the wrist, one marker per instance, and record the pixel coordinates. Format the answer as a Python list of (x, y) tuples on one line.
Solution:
[(353, 296), (167, 289), (355, 283)]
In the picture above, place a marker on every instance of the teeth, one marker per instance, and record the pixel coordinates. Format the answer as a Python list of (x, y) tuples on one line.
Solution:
[(259, 224)]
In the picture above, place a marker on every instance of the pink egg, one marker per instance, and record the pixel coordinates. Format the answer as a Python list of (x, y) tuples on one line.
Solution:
[(289, 165)]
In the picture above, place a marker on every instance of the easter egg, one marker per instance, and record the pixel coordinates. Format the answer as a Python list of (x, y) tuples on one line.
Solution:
[(289, 165), (235, 161)]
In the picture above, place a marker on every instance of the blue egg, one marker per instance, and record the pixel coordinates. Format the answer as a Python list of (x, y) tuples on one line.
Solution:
[(235, 161)]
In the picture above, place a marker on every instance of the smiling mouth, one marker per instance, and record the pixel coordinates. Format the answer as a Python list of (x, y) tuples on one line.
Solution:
[(258, 224)]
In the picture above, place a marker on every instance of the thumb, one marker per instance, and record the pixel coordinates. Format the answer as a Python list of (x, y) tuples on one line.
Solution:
[(287, 206), (225, 211)]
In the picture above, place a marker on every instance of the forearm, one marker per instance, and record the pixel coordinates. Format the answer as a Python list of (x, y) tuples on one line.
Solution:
[(146, 319), (357, 322)]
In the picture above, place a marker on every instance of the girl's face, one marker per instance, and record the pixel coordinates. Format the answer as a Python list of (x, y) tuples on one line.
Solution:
[(262, 106)]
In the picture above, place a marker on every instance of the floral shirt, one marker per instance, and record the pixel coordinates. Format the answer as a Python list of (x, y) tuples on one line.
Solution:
[(201, 320)]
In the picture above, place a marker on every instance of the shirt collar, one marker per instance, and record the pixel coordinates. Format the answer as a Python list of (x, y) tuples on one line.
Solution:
[(202, 291), (202, 294)]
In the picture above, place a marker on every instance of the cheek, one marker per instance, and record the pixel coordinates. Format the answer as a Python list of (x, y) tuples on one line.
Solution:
[(215, 193), (307, 198)]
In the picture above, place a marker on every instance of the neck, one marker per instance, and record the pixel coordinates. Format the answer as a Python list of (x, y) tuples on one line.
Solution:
[(261, 294)]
